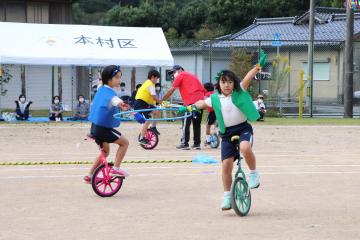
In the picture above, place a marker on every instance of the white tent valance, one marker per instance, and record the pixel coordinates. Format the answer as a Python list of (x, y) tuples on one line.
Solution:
[(82, 45)]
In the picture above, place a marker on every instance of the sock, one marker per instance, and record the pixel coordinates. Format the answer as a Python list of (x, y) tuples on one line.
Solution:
[(227, 194), (208, 138), (253, 171), (116, 168)]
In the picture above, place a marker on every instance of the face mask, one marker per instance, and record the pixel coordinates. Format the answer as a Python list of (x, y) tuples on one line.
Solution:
[(122, 89), (260, 100), (56, 101), (81, 100), (157, 89), (22, 100)]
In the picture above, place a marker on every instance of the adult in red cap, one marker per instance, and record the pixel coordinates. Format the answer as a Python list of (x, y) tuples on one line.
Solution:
[(191, 91)]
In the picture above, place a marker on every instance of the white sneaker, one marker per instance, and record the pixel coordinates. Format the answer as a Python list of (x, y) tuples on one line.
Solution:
[(254, 180)]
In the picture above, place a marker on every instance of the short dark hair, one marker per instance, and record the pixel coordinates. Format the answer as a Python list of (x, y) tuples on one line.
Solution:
[(54, 97), (209, 86), (157, 85), (21, 95), (108, 73), (122, 84), (229, 76), (153, 73), (138, 86), (80, 95)]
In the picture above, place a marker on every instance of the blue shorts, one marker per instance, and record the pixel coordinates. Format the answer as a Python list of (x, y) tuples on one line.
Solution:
[(228, 148)]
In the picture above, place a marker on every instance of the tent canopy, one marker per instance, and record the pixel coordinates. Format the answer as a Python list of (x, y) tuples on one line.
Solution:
[(82, 45)]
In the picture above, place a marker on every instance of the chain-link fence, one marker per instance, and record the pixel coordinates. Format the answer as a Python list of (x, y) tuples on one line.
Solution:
[(280, 81)]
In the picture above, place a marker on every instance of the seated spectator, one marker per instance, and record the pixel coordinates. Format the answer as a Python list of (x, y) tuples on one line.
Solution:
[(82, 110), (22, 108), (159, 93), (133, 94), (260, 106), (56, 109)]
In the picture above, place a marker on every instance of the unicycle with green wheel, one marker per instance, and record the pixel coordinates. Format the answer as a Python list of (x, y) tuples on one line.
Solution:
[(240, 191)]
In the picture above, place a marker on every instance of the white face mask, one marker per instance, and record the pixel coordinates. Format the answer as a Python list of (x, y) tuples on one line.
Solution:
[(81, 100), (56, 101), (157, 89), (260, 100), (22, 100)]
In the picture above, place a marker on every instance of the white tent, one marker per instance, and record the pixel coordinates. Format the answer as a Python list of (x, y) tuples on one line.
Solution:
[(82, 45)]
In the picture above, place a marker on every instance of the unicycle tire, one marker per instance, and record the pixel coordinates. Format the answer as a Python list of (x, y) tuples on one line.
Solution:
[(240, 197), (215, 141), (153, 139), (103, 184)]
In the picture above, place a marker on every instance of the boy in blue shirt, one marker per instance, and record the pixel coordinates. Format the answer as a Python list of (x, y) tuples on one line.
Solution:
[(105, 104)]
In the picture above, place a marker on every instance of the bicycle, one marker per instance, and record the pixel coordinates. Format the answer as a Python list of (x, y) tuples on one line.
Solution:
[(214, 138), (102, 182), (240, 191)]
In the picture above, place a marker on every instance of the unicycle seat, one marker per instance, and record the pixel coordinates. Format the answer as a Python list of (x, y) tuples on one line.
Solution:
[(235, 139)]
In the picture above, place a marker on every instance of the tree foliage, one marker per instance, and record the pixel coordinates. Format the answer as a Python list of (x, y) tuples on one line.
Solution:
[(188, 18)]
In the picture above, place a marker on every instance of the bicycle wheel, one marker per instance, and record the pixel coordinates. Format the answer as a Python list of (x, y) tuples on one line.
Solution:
[(240, 197), (153, 139), (103, 184), (215, 141)]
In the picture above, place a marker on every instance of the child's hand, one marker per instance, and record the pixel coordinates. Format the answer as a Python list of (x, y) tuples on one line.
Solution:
[(124, 106)]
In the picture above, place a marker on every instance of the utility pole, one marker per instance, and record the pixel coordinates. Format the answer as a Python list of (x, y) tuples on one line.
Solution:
[(310, 76), (349, 64)]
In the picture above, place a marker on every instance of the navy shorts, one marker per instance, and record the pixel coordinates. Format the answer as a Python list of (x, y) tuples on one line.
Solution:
[(211, 118), (228, 148), (103, 134), (140, 104)]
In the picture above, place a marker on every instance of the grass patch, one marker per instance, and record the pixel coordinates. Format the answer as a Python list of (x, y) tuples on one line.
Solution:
[(309, 121)]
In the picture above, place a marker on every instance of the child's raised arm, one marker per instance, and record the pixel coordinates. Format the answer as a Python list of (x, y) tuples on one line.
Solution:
[(251, 74)]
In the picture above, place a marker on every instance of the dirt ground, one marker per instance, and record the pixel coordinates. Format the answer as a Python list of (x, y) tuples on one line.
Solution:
[(310, 177)]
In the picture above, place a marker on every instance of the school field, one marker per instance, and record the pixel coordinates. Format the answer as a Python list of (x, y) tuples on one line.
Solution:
[(310, 181)]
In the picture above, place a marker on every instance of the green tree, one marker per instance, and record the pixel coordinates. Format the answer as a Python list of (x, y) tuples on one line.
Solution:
[(209, 32), (191, 17), (145, 15), (279, 75)]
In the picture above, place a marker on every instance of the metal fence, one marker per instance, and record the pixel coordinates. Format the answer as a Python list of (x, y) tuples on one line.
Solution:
[(280, 80)]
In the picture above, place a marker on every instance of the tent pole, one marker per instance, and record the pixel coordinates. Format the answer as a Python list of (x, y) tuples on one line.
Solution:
[(90, 83), (52, 81)]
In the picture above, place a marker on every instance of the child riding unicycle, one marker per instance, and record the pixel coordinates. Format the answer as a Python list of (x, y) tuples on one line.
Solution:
[(233, 108), (105, 104)]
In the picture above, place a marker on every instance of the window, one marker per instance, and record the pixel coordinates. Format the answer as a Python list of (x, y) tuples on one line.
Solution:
[(168, 78), (321, 71)]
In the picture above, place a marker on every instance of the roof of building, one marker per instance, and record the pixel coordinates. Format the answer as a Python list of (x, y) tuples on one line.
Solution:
[(330, 29)]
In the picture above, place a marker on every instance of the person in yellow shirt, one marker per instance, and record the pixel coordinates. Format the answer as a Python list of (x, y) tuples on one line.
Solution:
[(146, 99)]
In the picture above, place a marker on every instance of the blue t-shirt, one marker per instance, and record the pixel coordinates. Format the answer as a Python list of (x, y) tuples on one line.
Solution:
[(102, 111)]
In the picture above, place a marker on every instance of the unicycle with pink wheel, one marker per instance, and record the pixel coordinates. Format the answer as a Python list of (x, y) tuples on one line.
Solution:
[(102, 182), (152, 138)]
